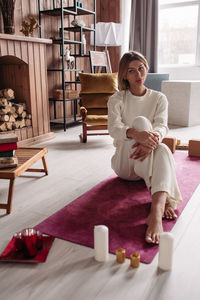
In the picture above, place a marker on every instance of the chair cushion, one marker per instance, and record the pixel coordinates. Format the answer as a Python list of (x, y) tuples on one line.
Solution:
[(96, 120), (98, 83), (95, 100), (97, 111)]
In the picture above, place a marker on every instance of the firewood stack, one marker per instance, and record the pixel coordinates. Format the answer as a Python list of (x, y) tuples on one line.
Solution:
[(13, 115)]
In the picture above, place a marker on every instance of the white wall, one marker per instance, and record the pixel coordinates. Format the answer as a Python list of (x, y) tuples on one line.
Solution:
[(181, 72)]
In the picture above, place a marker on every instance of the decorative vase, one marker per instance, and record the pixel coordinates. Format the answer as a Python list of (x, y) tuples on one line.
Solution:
[(7, 8)]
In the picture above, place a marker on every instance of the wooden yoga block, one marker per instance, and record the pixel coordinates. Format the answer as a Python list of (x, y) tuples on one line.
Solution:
[(194, 148), (170, 142)]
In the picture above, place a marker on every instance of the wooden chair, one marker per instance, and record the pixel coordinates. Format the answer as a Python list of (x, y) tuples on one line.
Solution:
[(96, 90), (100, 62)]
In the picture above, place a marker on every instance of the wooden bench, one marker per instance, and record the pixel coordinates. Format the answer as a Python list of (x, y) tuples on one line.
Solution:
[(27, 156)]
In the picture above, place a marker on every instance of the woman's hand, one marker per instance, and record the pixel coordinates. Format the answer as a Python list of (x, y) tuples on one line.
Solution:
[(141, 152), (145, 138)]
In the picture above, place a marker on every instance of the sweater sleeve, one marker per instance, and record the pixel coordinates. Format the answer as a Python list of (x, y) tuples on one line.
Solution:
[(161, 117), (116, 128)]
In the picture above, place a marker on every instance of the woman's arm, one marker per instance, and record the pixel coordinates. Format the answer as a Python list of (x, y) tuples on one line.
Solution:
[(160, 121), (117, 129)]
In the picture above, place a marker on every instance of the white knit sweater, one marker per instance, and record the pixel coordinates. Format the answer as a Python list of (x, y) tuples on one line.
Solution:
[(124, 107)]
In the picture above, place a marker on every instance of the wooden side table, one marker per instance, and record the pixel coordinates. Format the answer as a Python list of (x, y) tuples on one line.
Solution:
[(27, 156)]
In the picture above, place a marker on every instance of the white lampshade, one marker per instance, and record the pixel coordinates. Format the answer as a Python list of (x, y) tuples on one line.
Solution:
[(108, 34)]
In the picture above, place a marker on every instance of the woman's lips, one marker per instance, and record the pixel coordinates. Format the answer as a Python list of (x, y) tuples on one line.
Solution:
[(139, 80)]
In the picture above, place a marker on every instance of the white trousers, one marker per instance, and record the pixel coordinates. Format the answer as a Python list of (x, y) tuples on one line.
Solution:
[(157, 170)]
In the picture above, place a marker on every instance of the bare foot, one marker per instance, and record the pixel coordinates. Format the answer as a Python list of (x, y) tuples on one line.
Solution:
[(154, 222), (169, 212)]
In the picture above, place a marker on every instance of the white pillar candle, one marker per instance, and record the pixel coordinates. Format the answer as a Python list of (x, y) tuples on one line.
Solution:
[(101, 242), (166, 246)]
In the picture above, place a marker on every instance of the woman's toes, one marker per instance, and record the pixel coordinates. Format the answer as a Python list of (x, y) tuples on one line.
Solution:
[(148, 239), (169, 214), (172, 214), (152, 240), (155, 238)]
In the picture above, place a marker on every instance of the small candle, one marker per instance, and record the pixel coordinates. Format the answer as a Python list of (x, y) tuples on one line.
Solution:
[(19, 243), (30, 241), (135, 260), (120, 255), (101, 243), (166, 245), (39, 240)]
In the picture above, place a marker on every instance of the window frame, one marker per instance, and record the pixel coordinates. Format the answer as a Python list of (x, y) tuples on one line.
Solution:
[(185, 4)]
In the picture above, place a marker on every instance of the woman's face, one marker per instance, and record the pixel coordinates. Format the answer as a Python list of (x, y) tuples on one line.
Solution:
[(136, 74)]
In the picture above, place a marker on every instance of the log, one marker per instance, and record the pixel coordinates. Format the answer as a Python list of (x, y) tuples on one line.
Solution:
[(4, 118), (22, 124), (28, 116), (3, 111), (24, 105), (23, 115), (12, 110), (15, 115), (3, 102), (16, 124), (19, 103), (3, 126), (9, 125), (8, 94), (7, 108), (11, 118), (28, 122), (19, 108)]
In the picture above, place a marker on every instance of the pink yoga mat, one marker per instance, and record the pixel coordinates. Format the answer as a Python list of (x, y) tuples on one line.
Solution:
[(123, 206)]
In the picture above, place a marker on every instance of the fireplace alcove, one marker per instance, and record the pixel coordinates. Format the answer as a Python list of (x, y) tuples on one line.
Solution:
[(23, 69)]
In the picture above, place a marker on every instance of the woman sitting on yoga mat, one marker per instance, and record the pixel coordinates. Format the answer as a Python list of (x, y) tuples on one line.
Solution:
[(137, 120)]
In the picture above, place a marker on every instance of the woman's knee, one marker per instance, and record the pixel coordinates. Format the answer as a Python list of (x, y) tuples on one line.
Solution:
[(142, 123), (163, 149)]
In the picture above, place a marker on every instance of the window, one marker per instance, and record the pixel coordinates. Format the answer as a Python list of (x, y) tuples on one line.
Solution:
[(178, 32)]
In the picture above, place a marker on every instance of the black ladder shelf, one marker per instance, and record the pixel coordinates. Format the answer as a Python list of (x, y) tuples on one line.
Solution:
[(62, 12)]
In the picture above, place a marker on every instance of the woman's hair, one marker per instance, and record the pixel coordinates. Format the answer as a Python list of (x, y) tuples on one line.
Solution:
[(123, 67)]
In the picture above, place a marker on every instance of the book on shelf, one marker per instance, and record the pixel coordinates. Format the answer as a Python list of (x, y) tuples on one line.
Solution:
[(8, 162), (8, 146), (9, 153), (7, 138)]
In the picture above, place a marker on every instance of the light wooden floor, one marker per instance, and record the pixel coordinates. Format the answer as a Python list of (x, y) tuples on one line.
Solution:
[(70, 272)]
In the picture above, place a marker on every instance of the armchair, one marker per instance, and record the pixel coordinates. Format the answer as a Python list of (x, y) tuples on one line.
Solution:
[(96, 89)]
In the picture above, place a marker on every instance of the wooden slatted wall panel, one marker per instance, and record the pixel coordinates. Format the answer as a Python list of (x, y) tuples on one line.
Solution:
[(107, 11), (32, 86), (28, 79)]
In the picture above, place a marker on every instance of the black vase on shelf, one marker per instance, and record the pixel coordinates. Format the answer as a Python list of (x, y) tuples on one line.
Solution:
[(7, 8)]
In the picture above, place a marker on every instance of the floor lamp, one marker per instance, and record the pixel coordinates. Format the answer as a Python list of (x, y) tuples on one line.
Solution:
[(108, 35)]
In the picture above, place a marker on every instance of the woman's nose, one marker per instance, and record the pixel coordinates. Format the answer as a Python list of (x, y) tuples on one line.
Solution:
[(137, 72)]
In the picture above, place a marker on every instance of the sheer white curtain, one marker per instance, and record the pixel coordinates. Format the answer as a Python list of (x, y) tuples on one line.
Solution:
[(144, 30), (126, 16)]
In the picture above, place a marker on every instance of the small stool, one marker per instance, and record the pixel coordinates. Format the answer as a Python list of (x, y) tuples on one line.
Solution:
[(170, 142), (194, 148), (183, 99)]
